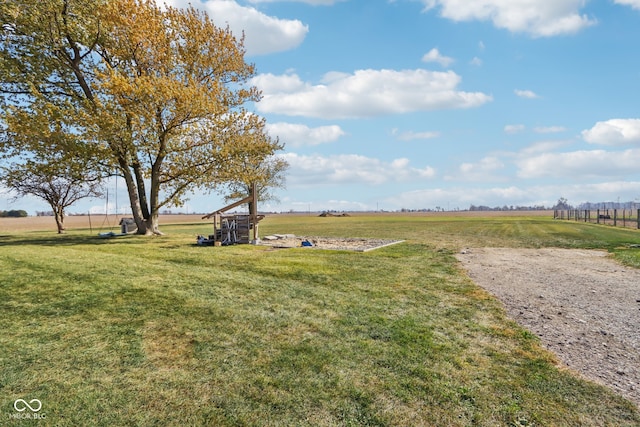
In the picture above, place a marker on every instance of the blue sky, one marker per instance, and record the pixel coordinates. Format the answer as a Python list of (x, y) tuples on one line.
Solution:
[(441, 103)]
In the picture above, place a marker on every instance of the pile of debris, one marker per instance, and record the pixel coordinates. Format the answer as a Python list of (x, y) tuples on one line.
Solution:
[(329, 214)]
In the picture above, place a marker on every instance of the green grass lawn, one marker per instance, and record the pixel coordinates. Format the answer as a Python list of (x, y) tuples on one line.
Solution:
[(142, 331)]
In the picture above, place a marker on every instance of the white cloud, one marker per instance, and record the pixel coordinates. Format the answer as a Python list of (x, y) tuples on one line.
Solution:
[(476, 61), (614, 132), (633, 3), (174, 3), (601, 191), (485, 166), (350, 169), (540, 18), (543, 147), (511, 129), (434, 55), (365, 93), (263, 34), (483, 170), (595, 163), (525, 94), (460, 198), (549, 129), (540, 195), (311, 2), (495, 196), (110, 209), (283, 84), (297, 135), (412, 136)]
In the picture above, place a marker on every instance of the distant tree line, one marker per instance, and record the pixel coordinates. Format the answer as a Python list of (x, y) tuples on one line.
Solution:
[(14, 214), (608, 205), (507, 208), (563, 204)]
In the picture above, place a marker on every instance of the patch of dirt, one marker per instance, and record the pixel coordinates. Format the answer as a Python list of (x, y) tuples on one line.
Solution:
[(349, 244), (584, 306)]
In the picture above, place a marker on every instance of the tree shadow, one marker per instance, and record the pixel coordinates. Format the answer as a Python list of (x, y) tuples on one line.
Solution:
[(64, 240)]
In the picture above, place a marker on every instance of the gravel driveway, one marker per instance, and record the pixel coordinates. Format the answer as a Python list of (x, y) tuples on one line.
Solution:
[(584, 306)]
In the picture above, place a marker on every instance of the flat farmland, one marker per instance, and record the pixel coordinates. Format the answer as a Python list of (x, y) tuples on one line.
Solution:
[(106, 223), (81, 222), (156, 330)]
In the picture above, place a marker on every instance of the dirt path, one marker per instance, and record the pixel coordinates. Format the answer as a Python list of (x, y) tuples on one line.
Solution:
[(583, 305)]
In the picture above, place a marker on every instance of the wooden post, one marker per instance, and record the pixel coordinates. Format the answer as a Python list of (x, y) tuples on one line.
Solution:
[(253, 213), (216, 218)]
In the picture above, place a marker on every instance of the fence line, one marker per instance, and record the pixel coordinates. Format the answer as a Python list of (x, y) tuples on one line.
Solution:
[(615, 217)]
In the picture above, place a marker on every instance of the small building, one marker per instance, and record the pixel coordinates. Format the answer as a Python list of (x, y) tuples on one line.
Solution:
[(128, 225)]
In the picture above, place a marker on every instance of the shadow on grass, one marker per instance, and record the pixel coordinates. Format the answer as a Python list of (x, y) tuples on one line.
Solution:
[(63, 239)]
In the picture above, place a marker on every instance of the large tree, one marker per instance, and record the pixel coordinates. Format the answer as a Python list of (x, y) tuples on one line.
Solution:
[(160, 92), (42, 156)]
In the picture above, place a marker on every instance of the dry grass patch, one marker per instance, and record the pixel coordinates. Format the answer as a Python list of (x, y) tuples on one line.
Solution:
[(167, 345)]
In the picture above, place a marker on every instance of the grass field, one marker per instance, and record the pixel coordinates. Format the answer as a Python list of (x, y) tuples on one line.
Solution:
[(159, 332)]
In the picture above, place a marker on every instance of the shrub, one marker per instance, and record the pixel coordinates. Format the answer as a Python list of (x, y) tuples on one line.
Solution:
[(14, 214)]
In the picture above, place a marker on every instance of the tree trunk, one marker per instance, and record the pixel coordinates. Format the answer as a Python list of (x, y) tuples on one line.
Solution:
[(146, 220), (141, 190), (134, 200), (152, 223), (58, 212)]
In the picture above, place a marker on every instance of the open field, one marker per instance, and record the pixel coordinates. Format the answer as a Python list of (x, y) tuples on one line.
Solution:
[(110, 222), (158, 331), (97, 223)]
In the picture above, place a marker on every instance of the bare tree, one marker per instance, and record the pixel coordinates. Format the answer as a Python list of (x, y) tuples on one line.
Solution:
[(41, 156), (58, 187)]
